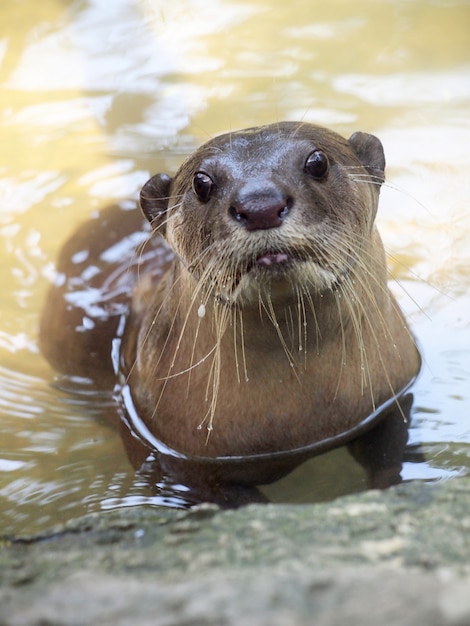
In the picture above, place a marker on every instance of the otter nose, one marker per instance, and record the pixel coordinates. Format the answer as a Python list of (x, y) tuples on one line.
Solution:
[(260, 210)]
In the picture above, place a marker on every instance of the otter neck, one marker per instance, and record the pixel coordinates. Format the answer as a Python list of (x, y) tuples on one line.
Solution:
[(286, 324)]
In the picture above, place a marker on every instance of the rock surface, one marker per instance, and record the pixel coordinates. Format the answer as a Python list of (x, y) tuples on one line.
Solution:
[(398, 557)]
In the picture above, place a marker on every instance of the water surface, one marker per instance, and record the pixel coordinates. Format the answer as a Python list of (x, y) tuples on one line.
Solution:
[(97, 95)]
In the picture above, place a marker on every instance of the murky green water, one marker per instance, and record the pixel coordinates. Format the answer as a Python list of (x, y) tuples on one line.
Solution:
[(95, 95)]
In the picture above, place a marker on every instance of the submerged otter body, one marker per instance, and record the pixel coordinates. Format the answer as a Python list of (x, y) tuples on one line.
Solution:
[(273, 328), (257, 319)]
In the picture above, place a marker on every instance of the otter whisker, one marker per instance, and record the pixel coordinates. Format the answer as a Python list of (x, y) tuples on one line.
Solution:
[(269, 308), (188, 369), (350, 296), (302, 324), (168, 376), (356, 320), (213, 380), (235, 343), (373, 331), (343, 359), (364, 177)]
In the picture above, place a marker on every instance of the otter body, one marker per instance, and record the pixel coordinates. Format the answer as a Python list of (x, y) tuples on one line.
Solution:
[(272, 327)]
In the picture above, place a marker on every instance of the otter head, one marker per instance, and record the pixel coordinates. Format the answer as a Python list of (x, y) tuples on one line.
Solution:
[(270, 208)]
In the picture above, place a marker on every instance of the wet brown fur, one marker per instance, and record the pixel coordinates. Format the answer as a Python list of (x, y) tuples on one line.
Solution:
[(227, 357)]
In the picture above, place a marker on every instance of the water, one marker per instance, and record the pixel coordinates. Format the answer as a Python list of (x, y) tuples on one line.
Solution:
[(96, 95)]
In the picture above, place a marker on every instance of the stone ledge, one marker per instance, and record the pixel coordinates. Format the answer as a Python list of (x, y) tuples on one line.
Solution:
[(400, 556)]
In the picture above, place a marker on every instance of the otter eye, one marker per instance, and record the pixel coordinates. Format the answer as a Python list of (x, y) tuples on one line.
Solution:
[(203, 186), (317, 164)]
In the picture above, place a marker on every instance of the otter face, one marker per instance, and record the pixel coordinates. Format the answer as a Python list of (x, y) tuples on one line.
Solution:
[(270, 208)]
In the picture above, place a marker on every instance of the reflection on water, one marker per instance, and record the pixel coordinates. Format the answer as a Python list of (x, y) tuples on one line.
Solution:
[(96, 95)]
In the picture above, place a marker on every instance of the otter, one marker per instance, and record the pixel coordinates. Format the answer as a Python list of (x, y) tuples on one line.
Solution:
[(272, 328)]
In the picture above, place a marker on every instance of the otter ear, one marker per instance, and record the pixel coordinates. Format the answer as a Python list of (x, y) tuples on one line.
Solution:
[(154, 199), (370, 153)]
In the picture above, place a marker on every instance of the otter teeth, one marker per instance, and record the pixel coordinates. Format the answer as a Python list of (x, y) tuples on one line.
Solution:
[(272, 259)]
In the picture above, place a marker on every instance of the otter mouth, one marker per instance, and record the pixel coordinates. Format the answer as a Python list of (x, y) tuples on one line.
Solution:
[(273, 264), (260, 269), (278, 264), (275, 270), (274, 260)]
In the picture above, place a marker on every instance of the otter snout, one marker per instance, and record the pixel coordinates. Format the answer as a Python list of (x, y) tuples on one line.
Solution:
[(260, 208)]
